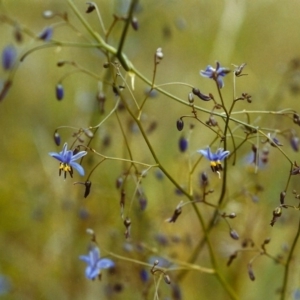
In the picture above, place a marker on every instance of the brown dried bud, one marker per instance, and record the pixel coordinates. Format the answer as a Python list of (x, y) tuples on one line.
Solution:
[(231, 258), (204, 179), (239, 69), (282, 196), (91, 7), (250, 272), (88, 185), (127, 222)]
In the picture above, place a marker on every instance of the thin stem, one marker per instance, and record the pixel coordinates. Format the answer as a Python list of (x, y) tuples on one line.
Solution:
[(124, 33), (288, 263)]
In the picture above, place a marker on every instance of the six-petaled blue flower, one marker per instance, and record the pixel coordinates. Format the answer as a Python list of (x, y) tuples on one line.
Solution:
[(67, 160), (95, 263), (215, 73), (215, 158)]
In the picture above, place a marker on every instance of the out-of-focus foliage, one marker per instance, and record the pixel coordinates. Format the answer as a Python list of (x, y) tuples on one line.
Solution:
[(44, 217)]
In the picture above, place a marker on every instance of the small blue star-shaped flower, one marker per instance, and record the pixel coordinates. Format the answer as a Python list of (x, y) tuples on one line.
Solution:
[(215, 73), (215, 158), (95, 263), (67, 160)]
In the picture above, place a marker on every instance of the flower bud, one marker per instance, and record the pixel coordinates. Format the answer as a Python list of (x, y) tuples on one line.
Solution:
[(294, 141), (143, 202), (183, 144), (48, 14), (167, 279), (200, 95), (127, 222), (239, 69), (61, 63), (277, 211), (90, 231), (144, 275), (88, 185), (18, 34), (9, 55), (250, 272), (46, 34), (56, 138), (159, 54), (191, 98), (296, 118), (179, 124), (91, 7), (88, 133), (59, 92), (232, 215), (203, 179), (135, 23), (119, 182), (282, 196), (234, 234)]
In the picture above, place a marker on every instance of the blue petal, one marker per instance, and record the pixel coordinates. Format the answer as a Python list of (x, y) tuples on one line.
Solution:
[(206, 153), (77, 167), (220, 82), (94, 255), (223, 154), (85, 258), (105, 263), (208, 72), (64, 150), (56, 155), (78, 155), (68, 157), (91, 272)]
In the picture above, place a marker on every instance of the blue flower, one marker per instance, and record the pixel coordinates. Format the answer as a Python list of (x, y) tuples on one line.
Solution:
[(9, 56), (215, 158), (95, 263), (67, 160), (215, 73)]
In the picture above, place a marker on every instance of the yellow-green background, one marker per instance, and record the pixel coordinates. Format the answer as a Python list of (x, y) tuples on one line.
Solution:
[(41, 233)]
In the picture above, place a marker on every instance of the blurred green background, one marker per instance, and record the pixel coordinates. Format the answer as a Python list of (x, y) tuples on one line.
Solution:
[(44, 217)]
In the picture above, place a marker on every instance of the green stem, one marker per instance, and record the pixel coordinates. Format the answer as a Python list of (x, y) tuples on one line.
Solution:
[(124, 33), (287, 266)]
